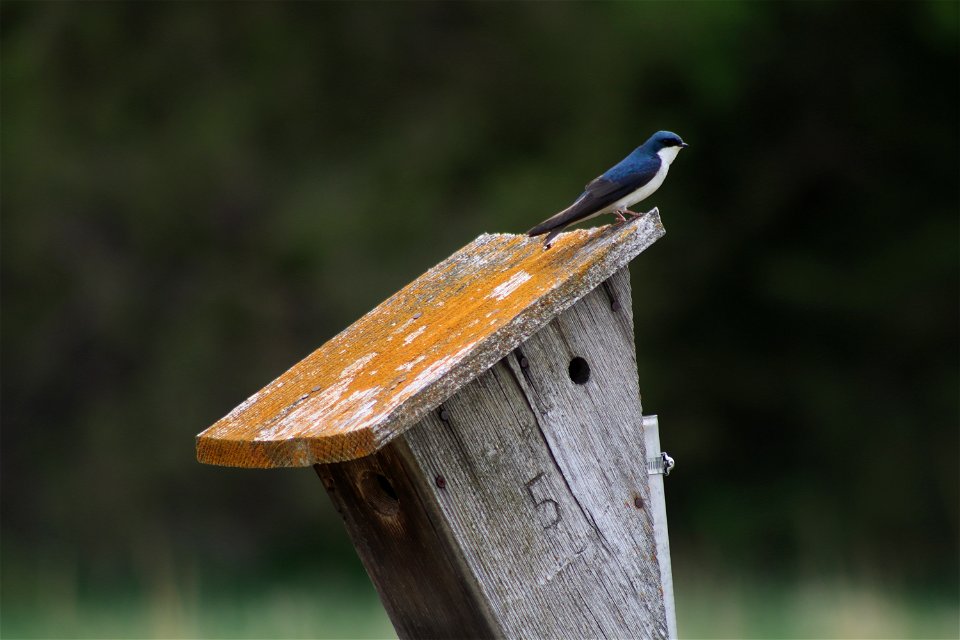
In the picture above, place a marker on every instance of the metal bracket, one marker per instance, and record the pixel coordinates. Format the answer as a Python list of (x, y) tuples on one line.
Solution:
[(661, 465)]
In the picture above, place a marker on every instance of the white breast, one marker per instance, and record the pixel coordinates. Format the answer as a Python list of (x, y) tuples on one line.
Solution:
[(667, 155)]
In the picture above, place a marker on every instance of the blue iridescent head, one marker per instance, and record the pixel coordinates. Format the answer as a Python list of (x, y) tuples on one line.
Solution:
[(664, 140)]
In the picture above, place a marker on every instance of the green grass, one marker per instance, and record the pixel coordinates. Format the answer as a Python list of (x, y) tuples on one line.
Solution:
[(271, 610), (814, 610), (328, 608)]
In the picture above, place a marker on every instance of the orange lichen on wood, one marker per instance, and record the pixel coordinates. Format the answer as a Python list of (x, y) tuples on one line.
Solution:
[(379, 376)]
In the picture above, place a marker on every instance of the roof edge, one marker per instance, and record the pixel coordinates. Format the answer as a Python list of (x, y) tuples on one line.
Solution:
[(609, 248)]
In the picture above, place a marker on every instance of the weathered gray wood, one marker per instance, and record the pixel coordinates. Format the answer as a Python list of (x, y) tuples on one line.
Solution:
[(533, 489), (408, 555)]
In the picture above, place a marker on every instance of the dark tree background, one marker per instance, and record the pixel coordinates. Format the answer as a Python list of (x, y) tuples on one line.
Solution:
[(195, 195)]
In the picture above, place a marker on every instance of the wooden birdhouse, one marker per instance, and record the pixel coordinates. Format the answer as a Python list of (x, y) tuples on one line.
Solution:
[(481, 434)]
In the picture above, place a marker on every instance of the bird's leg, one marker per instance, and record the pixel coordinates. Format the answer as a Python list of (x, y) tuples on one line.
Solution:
[(619, 214)]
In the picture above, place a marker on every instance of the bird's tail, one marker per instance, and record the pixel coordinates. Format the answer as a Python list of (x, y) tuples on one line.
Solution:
[(548, 241), (542, 228), (552, 225)]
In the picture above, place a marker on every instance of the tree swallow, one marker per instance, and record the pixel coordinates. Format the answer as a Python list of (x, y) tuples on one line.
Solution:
[(626, 183)]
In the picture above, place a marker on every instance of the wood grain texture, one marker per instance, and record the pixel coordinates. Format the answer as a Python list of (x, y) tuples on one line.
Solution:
[(543, 503), (410, 559), (381, 375)]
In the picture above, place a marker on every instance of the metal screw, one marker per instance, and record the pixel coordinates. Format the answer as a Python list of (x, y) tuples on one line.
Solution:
[(662, 464), (441, 482)]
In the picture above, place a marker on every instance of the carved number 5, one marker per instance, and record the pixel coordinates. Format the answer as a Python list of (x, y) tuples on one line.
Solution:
[(551, 516)]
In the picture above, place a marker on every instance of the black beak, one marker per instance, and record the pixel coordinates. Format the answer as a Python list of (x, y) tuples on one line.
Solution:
[(683, 144)]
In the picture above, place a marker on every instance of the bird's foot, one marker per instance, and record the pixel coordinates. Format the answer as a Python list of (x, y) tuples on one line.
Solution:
[(619, 214), (633, 214)]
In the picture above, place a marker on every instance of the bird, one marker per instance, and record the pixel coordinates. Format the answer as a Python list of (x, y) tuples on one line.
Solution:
[(620, 187)]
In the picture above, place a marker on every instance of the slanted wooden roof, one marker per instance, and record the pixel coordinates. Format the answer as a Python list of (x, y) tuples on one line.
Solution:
[(379, 376)]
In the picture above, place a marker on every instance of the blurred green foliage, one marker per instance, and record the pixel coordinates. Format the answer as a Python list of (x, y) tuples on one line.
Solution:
[(195, 195)]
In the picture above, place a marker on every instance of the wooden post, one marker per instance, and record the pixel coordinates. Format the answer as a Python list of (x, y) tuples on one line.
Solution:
[(500, 488)]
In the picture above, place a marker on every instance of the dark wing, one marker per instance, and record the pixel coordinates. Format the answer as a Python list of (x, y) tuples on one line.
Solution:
[(621, 180)]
